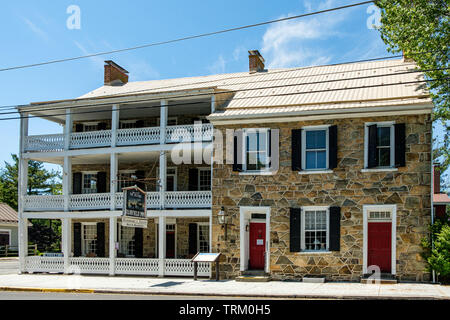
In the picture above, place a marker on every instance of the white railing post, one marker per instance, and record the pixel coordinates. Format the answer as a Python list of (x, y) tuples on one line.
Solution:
[(67, 181), (68, 129), (162, 245), (162, 178), (112, 245), (66, 242), (163, 120)]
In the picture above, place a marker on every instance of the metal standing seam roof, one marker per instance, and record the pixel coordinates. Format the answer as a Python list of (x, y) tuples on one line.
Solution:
[(441, 198), (8, 214), (297, 89)]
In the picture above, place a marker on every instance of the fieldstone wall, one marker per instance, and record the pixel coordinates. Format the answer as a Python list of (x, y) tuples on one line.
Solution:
[(347, 187)]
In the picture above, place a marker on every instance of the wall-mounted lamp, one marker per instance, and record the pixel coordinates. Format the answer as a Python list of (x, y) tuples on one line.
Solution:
[(223, 220)]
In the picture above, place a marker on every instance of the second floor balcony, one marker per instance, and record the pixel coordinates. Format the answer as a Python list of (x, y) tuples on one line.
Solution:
[(123, 137)]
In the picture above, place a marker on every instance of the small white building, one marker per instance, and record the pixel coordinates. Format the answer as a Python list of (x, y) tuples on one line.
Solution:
[(9, 222)]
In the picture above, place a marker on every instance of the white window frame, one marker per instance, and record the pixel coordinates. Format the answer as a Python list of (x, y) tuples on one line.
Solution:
[(393, 219), (83, 240), (392, 145), (121, 172), (169, 221), (92, 123), (327, 147), (198, 234), (245, 132), (302, 231), (203, 169), (83, 173), (119, 236), (9, 235)]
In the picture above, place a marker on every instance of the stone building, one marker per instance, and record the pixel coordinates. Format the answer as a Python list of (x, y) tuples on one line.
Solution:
[(313, 172)]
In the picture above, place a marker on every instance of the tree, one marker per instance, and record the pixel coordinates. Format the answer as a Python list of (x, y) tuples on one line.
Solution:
[(421, 29), (40, 181)]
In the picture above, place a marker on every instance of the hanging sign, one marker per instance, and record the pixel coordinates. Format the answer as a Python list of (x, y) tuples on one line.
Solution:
[(134, 212)]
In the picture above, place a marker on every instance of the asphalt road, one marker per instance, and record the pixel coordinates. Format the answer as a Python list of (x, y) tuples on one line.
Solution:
[(8, 266)]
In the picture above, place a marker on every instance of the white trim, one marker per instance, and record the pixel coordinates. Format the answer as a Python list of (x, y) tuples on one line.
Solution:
[(393, 209), (302, 226), (198, 234), (379, 170), (244, 217), (327, 147), (244, 152), (198, 177), (9, 235), (168, 222), (315, 171)]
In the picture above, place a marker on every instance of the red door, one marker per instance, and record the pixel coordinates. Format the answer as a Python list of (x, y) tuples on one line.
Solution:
[(257, 245), (379, 245)]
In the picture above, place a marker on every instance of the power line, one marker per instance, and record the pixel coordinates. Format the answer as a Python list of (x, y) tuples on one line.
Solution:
[(234, 91), (285, 94), (154, 44)]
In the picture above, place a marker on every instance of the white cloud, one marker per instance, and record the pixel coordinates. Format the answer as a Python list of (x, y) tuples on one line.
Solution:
[(218, 66), (97, 61), (293, 42)]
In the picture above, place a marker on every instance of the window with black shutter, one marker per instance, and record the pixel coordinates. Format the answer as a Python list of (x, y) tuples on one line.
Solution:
[(237, 151), (77, 182), (296, 149), (295, 230), (100, 244), (77, 239), (193, 239), (332, 147), (101, 182), (400, 144), (193, 179), (335, 229), (138, 242)]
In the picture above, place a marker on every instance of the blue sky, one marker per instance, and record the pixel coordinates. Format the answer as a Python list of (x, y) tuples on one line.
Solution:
[(35, 31)]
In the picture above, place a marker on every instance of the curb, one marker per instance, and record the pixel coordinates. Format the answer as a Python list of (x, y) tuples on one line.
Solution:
[(266, 296)]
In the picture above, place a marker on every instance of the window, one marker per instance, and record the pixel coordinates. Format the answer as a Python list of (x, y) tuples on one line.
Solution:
[(204, 179), (203, 237), (125, 180), (379, 145), (256, 150), (126, 241), (315, 148), (90, 126), (89, 183), (5, 237), (315, 227), (89, 239), (171, 121), (127, 124)]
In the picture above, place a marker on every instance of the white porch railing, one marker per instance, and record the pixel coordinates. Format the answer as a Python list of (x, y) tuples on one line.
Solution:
[(125, 137), (101, 201), (48, 142), (91, 139), (124, 266)]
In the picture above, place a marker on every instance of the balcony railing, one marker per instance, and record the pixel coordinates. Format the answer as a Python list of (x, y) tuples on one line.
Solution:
[(102, 201), (125, 137)]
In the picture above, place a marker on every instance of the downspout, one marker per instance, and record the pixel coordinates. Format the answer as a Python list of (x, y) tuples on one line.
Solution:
[(433, 273)]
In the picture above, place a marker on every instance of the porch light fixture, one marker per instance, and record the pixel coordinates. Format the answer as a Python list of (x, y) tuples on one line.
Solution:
[(223, 220)]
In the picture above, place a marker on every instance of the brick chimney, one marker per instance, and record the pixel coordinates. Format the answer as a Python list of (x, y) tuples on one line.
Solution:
[(436, 178), (115, 74), (255, 61)]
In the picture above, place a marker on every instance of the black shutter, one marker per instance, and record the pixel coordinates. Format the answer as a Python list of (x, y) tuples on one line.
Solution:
[(138, 242), (140, 175), (399, 129), (140, 124), (79, 127), (77, 182), (335, 229), (333, 148), (77, 239), (269, 153), (237, 150), (192, 238), (193, 179), (372, 154), (100, 239), (101, 182), (295, 230), (101, 126), (296, 149)]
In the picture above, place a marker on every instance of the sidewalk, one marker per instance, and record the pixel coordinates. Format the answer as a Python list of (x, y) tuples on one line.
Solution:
[(186, 286)]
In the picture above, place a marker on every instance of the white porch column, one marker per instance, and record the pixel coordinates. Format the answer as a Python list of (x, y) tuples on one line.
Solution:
[(163, 120), (66, 229), (162, 178), (162, 245), (22, 192), (112, 245), (213, 103), (115, 116), (67, 181), (114, 164), (68, 129)]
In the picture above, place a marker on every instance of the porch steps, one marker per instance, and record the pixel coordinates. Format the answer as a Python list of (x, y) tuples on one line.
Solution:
[(385, 278), (253, 276)]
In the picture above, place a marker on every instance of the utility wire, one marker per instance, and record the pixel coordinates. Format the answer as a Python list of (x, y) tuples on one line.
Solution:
[(154, 44), (284, 94), (231, 91)]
